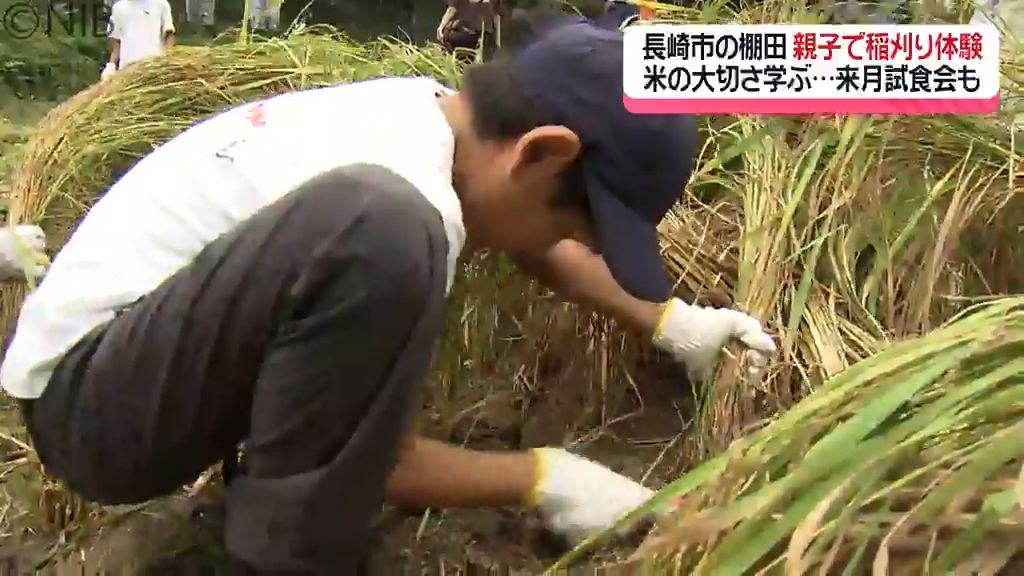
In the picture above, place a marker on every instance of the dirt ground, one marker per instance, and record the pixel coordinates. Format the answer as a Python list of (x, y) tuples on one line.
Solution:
[(180, 534)]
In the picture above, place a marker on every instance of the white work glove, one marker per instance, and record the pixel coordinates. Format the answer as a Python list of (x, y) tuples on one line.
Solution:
[(108, 71), (20, 246), (694, 335), (578, 497)]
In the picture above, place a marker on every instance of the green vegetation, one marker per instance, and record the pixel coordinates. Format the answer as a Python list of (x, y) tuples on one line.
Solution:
[(60, 55), (910, 461)]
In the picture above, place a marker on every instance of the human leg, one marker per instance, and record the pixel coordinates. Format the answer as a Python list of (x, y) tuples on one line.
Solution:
[(318, 456), (305, 332), (463, 43)]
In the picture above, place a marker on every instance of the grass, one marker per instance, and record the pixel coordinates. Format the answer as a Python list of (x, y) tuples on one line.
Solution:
[(56, 59)]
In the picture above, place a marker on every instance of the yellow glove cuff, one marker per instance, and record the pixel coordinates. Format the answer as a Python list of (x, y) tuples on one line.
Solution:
[(541, 473), (666, 308)]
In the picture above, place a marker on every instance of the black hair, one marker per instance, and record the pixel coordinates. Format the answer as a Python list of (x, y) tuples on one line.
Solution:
[(501, 111)]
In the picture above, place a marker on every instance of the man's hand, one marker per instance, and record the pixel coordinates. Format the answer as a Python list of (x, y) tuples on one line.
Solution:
[(446, 19), (578, 497), (22, 250), (694, 335), (574, 495)]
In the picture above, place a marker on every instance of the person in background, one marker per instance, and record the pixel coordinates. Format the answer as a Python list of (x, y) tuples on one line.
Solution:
[(870, 12), (277, 275), (466, 22), (138, 29)]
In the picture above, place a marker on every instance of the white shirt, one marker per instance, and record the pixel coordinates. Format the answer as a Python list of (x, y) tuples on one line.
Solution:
[(140, 26), (210, 179)]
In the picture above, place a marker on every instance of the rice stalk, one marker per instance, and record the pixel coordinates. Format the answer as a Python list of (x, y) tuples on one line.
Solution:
[(902, 463)]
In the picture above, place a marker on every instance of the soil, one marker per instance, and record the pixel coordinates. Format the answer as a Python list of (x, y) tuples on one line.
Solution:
[(182, 534)]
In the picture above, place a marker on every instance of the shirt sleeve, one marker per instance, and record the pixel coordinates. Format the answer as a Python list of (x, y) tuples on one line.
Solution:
[(167, 19)]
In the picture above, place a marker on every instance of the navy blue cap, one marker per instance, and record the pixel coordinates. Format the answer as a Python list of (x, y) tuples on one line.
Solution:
[(617, 13), (634, 166)]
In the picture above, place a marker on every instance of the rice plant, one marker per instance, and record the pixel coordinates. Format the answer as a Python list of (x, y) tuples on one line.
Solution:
[(908, 462)]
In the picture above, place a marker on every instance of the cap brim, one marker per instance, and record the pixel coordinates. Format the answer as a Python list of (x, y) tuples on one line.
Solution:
[(629, 245)]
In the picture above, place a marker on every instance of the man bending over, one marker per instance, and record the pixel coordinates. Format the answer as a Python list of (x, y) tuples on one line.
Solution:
[(277, 275)]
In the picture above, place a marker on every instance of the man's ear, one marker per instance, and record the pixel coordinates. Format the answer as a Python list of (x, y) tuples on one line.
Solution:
[(551, 149)]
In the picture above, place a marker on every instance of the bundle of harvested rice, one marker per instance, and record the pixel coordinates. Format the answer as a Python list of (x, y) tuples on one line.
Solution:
[(909, 462)]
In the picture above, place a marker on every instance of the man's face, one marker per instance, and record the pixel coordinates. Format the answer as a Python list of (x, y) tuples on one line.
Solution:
[(510, 191)]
